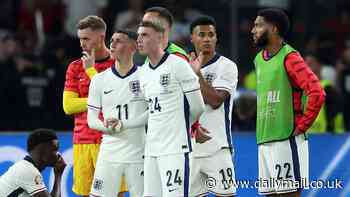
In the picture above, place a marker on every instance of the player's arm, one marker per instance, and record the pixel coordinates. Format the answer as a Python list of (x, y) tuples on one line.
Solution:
[(196, 104), (191, 88), (32, 182), (56, 190), (94, 122), (117, 125), (140, 120), (215, 95), (212, 96), (72, 103), (303, 79), (88, 61), (91, 72), (95, 106), (135, 123)]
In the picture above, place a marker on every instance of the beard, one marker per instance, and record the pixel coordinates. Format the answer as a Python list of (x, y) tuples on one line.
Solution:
[(262, 41)]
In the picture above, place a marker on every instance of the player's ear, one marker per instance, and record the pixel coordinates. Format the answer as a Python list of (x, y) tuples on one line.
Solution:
[(192, 37), (134, 45), (274, 29), (161, 36)]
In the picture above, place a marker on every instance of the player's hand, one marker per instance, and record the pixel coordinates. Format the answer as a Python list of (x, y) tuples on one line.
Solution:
[(196, 61), (202, 135), (88, 59), (60, 165), (296, 132), (114, 125)]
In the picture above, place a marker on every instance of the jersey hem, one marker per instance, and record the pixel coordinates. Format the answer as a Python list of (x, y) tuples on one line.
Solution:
[(275, 140), (94, 107), (166, 154), (209, 154), (222, 88), (37, 191)]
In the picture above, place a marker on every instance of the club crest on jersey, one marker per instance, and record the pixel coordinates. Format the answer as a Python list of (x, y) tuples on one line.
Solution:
[(38, 180), (209, 77), (164, 80), (135, 87), (98, 184)]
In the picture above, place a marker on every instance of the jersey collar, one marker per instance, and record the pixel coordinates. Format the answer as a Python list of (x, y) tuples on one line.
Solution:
[(212, 60), (132, 70), (103, 59), (267, 56), (165, 56), (167, 47), (30, 160)]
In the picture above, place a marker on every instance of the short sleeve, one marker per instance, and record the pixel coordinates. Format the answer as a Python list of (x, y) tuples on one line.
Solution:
[(227, 77), (32, 182), (72, 81), (141, 74), (94, 98), (186, 76)]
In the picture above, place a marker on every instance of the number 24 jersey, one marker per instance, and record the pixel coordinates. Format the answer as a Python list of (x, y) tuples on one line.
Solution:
[(164, 86)]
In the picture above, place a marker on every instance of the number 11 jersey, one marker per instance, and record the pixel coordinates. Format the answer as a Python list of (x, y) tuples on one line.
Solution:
[(119, 97)]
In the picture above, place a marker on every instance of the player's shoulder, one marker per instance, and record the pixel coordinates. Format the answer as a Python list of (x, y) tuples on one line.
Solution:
[(173, 58), (23, 168), (75, 67), (226, 60), (144, 68), (182, 55), (294, 55), (227, 64), (76, 63), (102, 76), (104, 73)]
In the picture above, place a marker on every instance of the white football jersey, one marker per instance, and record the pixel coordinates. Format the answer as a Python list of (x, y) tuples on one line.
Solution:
[(222, 74), (22, 179), (164, 86), (119, 97)]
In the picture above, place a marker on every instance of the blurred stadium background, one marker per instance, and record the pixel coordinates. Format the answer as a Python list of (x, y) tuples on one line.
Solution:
[(38, 40)]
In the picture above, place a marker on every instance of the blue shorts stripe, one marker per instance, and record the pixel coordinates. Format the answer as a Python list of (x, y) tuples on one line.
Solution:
[(295, 158), (228, 122), (187, 119), (187, 176)]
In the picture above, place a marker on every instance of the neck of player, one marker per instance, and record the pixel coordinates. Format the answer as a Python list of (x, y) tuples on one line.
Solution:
[(154, 58), (124, 65), (165, 41), (274, 46), (37, 160), (207, 56), (102, 54)]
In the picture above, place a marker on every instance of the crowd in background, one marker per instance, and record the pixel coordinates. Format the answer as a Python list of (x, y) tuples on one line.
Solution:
[(38, 39)]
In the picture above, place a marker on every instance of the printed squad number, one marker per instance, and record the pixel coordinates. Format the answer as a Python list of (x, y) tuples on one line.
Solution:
[(154, 105), (121, 108), (176, 179)]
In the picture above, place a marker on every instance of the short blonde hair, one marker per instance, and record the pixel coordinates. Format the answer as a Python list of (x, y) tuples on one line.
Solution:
[(93, 22), (154, 24)]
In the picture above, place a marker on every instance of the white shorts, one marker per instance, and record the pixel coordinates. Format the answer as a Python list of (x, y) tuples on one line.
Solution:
[(283, 166), (167, 176), (107, 178), (214, 174)]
